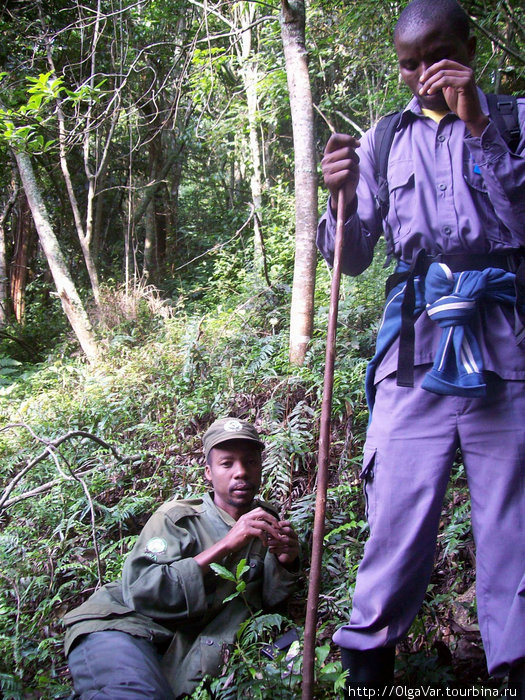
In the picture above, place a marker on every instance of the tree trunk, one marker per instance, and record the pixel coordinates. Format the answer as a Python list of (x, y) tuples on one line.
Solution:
[(4, 273), (306, 213), (250, 78), (3, 278), (151, 239), (172, 219), (24, 236), (151, 268), (161, 227), (65, 286)]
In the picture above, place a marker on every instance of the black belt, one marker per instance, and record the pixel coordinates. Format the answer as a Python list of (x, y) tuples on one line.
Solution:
[(457, 262)]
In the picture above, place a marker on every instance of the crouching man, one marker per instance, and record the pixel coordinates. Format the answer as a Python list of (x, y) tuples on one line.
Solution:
[(157, 632)]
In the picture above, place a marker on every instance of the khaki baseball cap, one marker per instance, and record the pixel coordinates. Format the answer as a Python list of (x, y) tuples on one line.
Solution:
[(230, 429)]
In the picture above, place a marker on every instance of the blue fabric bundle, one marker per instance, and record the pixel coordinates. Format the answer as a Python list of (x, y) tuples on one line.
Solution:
[(450, 299)]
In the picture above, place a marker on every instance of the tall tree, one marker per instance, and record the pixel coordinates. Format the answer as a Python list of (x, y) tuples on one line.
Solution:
[(4, 271), (3, 274), (246, 13), (23, 243), (293, 16), (67, 292)]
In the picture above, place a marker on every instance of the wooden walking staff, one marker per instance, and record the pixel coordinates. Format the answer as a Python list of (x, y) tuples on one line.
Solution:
[(323, 457)]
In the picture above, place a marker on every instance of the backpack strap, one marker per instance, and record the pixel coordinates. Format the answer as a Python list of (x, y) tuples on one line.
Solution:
[(503, 111), (383, 137)]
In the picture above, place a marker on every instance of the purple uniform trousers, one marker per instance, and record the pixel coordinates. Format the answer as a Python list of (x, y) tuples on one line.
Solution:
[(409, 451)]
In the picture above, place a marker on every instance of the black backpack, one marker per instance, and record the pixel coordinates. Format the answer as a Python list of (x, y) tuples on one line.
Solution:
[(503, 110)]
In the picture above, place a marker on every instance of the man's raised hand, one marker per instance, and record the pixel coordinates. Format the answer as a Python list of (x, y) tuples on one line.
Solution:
[(340, 167), (278, 536), (286, 547), (458, 85), (256, 523)]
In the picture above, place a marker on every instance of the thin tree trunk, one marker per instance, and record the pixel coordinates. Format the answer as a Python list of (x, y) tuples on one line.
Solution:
[(161, 228), (103, 206), (150, 244), (4, 273), (250, 78), (65, 286), (20, 264), (3, 279), (84, 232), (306, 212), (172, 220)]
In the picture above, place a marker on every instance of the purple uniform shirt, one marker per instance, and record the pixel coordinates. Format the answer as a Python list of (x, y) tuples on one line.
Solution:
[(450, 192)]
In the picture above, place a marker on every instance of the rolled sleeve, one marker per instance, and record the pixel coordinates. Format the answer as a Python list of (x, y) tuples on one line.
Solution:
[(191, 580), (363, 226)]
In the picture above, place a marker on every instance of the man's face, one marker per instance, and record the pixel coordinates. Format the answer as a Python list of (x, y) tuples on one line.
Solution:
[(420, 47), (234, 469)]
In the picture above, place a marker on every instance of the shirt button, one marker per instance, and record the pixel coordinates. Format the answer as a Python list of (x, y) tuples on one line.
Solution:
[(209, 642), (442, 186), (447, 230), (441, 138)]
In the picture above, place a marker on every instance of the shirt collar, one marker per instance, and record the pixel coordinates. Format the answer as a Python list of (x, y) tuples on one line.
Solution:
[(413, 108)]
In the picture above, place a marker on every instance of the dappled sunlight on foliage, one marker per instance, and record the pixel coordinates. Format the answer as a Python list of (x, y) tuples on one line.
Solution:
[(139, 137)]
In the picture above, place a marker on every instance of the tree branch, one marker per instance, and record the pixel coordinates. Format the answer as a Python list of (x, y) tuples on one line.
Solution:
[(51, 446), (218, 246), (498, 41)]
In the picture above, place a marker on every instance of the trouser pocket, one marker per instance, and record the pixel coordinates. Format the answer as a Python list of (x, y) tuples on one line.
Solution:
[(367, 477)]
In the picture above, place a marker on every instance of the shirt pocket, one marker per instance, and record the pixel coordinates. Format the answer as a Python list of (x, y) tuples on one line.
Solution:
[(211, 653), (401, 188), (472, 175), (487, 221)]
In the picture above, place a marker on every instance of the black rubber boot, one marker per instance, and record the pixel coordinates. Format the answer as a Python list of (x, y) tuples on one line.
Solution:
[(373, 668), (517, 682)]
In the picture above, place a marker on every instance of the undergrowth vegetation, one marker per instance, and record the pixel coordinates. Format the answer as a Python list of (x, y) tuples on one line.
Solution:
[(89, 452)]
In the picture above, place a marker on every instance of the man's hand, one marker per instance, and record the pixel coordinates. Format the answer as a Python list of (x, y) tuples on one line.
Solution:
[(286, 548), (277, 536), (459, 90), (256, 523), (340, 167)]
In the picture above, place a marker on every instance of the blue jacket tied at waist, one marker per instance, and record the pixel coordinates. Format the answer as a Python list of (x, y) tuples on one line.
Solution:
[(450, 299)]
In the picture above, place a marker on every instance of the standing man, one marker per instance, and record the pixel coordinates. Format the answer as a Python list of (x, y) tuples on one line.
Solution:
[(455, 221), (164, 626)]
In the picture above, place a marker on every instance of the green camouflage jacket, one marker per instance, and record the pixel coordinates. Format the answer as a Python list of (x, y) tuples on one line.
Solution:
[(164, 596)]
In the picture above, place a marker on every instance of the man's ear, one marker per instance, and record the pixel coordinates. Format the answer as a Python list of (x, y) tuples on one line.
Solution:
[(207, 472)]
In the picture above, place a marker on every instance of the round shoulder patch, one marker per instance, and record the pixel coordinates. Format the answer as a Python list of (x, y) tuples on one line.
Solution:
[(157, 545), (232, 426)]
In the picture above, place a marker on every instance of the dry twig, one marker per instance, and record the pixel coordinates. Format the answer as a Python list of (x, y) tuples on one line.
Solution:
[(51, 451)]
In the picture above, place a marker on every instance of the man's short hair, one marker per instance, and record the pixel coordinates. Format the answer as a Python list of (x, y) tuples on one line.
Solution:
[(424, 12)]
